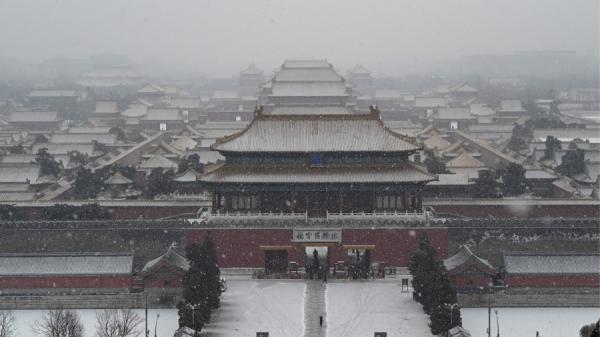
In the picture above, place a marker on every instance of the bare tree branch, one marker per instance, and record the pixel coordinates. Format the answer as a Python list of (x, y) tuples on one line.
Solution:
[(118, 323), (7, 324), (59, 323)]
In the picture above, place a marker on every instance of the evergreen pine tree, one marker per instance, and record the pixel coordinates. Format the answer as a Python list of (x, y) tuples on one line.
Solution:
[(514, 179), (213, 272), (434, 164), (443, 318), (551, 145), (421, 266), (485, 184), (434, 289), (202, 285), (573, 162), (194, 311)]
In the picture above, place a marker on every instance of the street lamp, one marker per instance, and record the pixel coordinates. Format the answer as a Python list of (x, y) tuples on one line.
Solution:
[(193, 307), (452, 307), (489, 288), (156, 324), (489, 311), (497, 325)]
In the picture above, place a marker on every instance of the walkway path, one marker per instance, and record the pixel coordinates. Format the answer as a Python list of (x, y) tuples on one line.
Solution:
[(314, 306)]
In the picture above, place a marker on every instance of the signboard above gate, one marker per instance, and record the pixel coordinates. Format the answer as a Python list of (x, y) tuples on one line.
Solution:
[(317, 235)]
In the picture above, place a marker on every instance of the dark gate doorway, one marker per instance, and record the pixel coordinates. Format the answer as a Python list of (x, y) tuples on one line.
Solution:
[(316, 262), (359, 262), (276, 261)]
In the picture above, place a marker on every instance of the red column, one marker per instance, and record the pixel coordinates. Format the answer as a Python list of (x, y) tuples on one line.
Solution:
[(406, 198), (228, 201)]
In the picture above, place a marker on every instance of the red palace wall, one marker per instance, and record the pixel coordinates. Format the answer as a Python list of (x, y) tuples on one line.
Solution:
[(471, 281), (163, 275), (91, 281), (549, 281), (175, 281), (241, 248)]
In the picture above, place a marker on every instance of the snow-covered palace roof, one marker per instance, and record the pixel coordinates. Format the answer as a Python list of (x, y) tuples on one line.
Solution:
[(552, 264), (464, 258), (65, 264), (310, 133)]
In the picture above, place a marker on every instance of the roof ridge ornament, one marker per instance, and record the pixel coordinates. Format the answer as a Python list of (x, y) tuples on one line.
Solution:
[(258, 111), (374, 110)]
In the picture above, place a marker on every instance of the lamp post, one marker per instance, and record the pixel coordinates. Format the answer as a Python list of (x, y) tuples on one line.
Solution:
[(497, 324), (452, 307), (490, 312), (156, 324), (489, 330), (146, 317), (193, 307)]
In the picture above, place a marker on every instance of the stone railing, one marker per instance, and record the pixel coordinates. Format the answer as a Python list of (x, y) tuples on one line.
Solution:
[(218, 215), (405, 216), (291, 219)]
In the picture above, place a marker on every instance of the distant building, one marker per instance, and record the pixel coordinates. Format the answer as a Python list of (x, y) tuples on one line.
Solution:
[(450, 186), (59, 100), (251, 79), (34, 120), (105, 79), (466, 164), (510, 111), (313, 83), (106, 113), (162, 119), (453, 118), (362, 80)]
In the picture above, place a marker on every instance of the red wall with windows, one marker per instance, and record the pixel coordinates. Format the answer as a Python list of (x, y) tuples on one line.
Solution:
[(241, 248)]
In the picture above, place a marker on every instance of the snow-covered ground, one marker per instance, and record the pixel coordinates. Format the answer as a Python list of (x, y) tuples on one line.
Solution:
[(354, 309), (249, 306), (358, 309), (524, 322), (167, 322)]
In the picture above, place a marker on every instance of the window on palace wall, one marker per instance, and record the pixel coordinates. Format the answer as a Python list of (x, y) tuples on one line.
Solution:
[(389, 202), (244, 202)]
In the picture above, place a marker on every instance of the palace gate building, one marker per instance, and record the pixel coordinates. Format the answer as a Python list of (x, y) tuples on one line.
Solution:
[(341, 184)]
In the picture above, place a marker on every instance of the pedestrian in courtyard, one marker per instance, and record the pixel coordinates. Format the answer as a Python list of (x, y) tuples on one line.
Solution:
[(321, 321)]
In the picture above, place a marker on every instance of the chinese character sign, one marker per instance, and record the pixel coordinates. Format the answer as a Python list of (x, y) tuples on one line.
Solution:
[(317, 235)]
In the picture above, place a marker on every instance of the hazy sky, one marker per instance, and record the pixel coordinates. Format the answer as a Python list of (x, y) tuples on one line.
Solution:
[(220, 37)]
